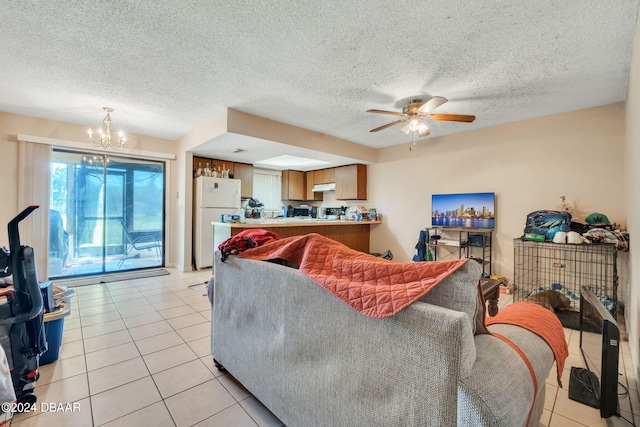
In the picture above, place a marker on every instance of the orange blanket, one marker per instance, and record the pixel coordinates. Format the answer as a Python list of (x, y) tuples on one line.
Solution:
[(374, 286), (541, 322)]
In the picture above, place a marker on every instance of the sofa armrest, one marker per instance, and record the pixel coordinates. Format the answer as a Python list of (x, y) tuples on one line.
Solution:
[(500, 390), (313, 360)]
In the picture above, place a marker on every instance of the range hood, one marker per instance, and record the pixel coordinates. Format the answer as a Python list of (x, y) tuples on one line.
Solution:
[(319, 188)]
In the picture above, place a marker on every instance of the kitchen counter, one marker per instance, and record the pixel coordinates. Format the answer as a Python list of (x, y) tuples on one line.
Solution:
[(354, 234), (293, 222)]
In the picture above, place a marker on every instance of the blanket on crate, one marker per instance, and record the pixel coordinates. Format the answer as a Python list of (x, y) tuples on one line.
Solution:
[(374, 286)]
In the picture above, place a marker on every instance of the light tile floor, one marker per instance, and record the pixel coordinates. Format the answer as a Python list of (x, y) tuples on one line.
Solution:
[(137, 353)]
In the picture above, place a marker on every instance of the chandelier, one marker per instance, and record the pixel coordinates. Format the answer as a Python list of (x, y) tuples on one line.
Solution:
[(103, 137)]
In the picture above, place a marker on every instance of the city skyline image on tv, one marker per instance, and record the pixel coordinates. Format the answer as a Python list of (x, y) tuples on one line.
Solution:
[(468, 210)]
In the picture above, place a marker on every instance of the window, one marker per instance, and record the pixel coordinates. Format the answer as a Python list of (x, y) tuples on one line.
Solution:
[(106, 214), (267, 187)]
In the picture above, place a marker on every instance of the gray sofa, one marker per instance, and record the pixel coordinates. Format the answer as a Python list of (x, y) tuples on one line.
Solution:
[(314, 361)]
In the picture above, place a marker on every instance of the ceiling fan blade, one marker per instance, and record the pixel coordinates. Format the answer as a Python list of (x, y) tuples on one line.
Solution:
[(393, 113), (387, 125), (431, 104), (452, 117)]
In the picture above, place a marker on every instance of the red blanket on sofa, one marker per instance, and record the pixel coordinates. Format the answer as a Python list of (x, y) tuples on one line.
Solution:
[(374, 286)]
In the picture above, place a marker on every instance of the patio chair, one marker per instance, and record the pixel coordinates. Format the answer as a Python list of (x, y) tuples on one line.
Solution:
[(143, 242)]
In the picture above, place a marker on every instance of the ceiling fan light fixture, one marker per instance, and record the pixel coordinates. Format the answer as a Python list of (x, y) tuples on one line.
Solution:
[(416, 113)]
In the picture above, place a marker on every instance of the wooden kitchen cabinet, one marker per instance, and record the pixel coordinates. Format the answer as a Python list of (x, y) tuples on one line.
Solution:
[(311, 178), (293, 185), (213, 164), (320, 176), (325, 176), (351, 182), (241, 171), (244, 172), (354, 234)]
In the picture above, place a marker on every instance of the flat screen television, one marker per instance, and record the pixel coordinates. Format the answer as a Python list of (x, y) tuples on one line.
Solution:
[(596, 384), (464, 210)]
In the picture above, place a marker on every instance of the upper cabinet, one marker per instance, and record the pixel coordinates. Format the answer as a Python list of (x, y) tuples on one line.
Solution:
[(244, 172), (312, 179), (324, 176), (293, 185), (351, 182), (241, 171), (214, 164)]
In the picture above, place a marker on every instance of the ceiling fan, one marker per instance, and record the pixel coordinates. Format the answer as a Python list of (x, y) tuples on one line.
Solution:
[(416, 112)]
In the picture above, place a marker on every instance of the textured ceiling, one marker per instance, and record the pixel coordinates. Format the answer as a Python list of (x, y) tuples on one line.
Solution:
[(166, 66)]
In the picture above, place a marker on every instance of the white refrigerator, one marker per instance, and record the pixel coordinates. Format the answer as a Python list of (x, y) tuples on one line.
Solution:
[(212, 197)]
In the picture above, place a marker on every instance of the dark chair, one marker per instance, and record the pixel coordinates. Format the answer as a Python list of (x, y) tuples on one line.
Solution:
[(58, 237), (144, 242)]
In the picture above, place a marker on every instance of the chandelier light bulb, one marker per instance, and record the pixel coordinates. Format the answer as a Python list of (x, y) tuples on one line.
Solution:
[(414, 124)]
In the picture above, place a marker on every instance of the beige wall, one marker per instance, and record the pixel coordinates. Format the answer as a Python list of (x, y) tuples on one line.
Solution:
[(528, 164), (183, 231), (633, 196), (259, 127)]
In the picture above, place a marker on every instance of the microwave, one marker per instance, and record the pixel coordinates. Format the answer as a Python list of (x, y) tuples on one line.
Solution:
[(330, 213), (299, 211)]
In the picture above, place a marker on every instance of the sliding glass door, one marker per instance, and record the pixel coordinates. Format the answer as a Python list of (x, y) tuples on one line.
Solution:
[(106, 214)]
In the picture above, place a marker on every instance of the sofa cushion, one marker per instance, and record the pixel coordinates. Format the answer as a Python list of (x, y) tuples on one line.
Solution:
[(459, 292)]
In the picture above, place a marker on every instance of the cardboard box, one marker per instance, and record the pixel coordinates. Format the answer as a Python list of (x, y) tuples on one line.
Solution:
[(506, 288)]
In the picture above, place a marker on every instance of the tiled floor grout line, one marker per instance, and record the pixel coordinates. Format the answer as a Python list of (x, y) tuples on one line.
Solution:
[(163, 398), (84, 350)]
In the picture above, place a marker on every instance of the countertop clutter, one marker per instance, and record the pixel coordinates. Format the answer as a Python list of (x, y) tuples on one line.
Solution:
[(294, 222), (348, 214), (301, 214)]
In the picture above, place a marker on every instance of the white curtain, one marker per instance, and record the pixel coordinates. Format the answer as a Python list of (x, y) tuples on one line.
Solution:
[(33, 189), (267, 187)]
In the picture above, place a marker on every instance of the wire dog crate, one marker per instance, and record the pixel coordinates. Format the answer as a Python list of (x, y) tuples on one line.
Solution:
[(540, 266)]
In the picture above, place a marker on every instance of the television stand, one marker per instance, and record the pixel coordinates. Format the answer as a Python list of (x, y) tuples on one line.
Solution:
[(462, 242), (582, 387)]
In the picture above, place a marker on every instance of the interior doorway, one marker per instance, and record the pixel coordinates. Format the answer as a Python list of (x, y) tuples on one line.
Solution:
[(106, 214)]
